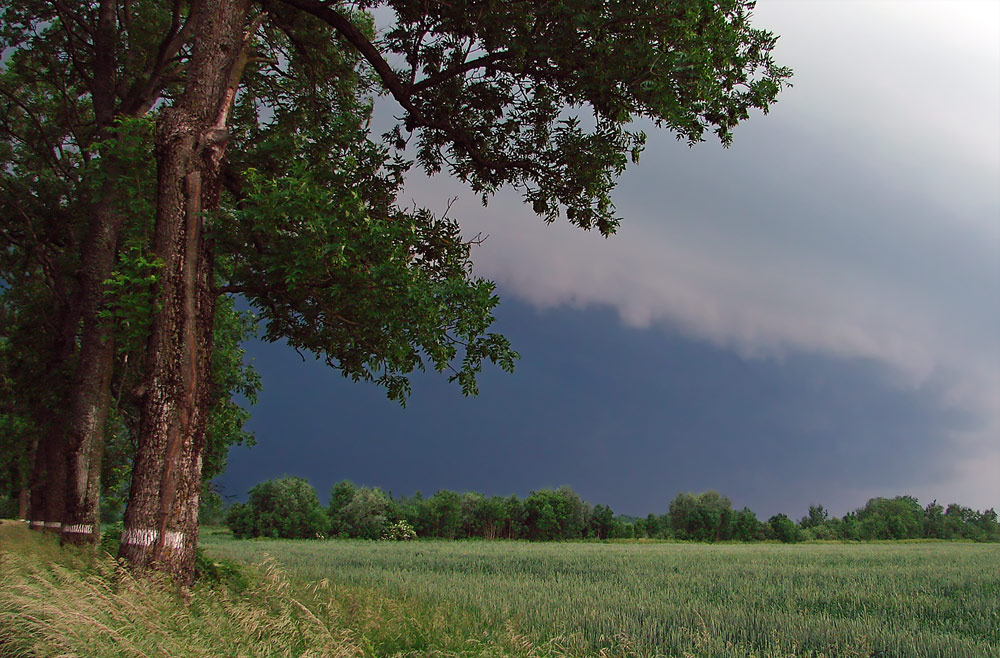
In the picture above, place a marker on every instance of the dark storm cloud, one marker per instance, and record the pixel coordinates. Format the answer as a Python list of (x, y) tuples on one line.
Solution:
[(627, 417)]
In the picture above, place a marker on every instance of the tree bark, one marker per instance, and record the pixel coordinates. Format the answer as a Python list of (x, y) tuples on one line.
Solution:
[(161, 520), (23, 496), (48, 476), (91, 393), (37, 484)]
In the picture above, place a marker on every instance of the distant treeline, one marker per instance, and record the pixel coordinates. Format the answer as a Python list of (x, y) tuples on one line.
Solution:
[(289, 507)]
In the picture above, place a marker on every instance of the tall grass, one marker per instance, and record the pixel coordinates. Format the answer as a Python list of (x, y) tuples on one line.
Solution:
[(920, 600), (62, 602)]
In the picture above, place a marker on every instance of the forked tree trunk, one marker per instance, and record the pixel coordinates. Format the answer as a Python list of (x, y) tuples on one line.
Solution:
[(161, 520)]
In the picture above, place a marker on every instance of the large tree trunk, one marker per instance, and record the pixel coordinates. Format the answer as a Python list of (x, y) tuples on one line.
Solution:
[(48, 476), (91, 395), (38, 484), (161, 520), (55, 477)]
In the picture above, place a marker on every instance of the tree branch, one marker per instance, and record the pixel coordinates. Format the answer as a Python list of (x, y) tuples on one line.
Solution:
[(236, 73), (356, 38), (53, 148), (71, 37), (465, 67), (400, 91), (103, 86), (142, 98)]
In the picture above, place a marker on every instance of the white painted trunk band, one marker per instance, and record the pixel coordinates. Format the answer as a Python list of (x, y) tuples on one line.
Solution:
[(53, 524), (174, 540), (78, 529), (139, 536), (148, 537)]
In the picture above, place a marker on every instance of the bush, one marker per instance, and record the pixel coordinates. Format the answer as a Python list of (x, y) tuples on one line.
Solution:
[(8, 507), (285, 508), (111, 536), (400, 531), (240, 520), (826, 532)]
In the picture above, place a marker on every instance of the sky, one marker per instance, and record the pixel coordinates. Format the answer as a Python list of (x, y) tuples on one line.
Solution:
[(810, 316)]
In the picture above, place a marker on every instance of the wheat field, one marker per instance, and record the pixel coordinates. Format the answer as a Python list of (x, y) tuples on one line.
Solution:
[(885, 600)]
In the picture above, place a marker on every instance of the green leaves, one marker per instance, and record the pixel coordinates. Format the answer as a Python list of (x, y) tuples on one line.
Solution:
[(131, 297), (494, 81), (334, 267)]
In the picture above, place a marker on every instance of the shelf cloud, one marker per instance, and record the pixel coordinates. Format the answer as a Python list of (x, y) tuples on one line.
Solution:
[(860, 220)]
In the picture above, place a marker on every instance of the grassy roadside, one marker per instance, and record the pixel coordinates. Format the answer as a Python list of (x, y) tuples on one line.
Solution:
[(63, 602)]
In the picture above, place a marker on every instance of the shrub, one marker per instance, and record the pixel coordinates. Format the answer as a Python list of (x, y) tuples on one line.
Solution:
[(826, 532), (8, 507), (399, 531)]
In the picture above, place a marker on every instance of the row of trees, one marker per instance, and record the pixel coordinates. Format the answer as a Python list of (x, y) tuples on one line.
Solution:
[(709, 517), (290, 508), (157, 158)]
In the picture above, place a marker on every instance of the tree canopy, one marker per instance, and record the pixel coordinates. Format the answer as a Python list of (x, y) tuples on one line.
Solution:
[(264, 180)]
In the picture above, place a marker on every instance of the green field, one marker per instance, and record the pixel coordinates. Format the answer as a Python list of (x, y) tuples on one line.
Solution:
[(886, 600)]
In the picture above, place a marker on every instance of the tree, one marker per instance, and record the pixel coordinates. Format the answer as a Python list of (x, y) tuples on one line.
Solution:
[(747, 527), (445, 511), (989, 525), (473, 514), (493, 514), (817, 516), (513, 519), (540, 519), (602, 522), (73, 71), (934, 520), (656, 526), (366, 516), (287, 508), (706, 516), (341, 496), (783, 529), (901, 517), (482, 87), (962, 522), (555, 514)]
